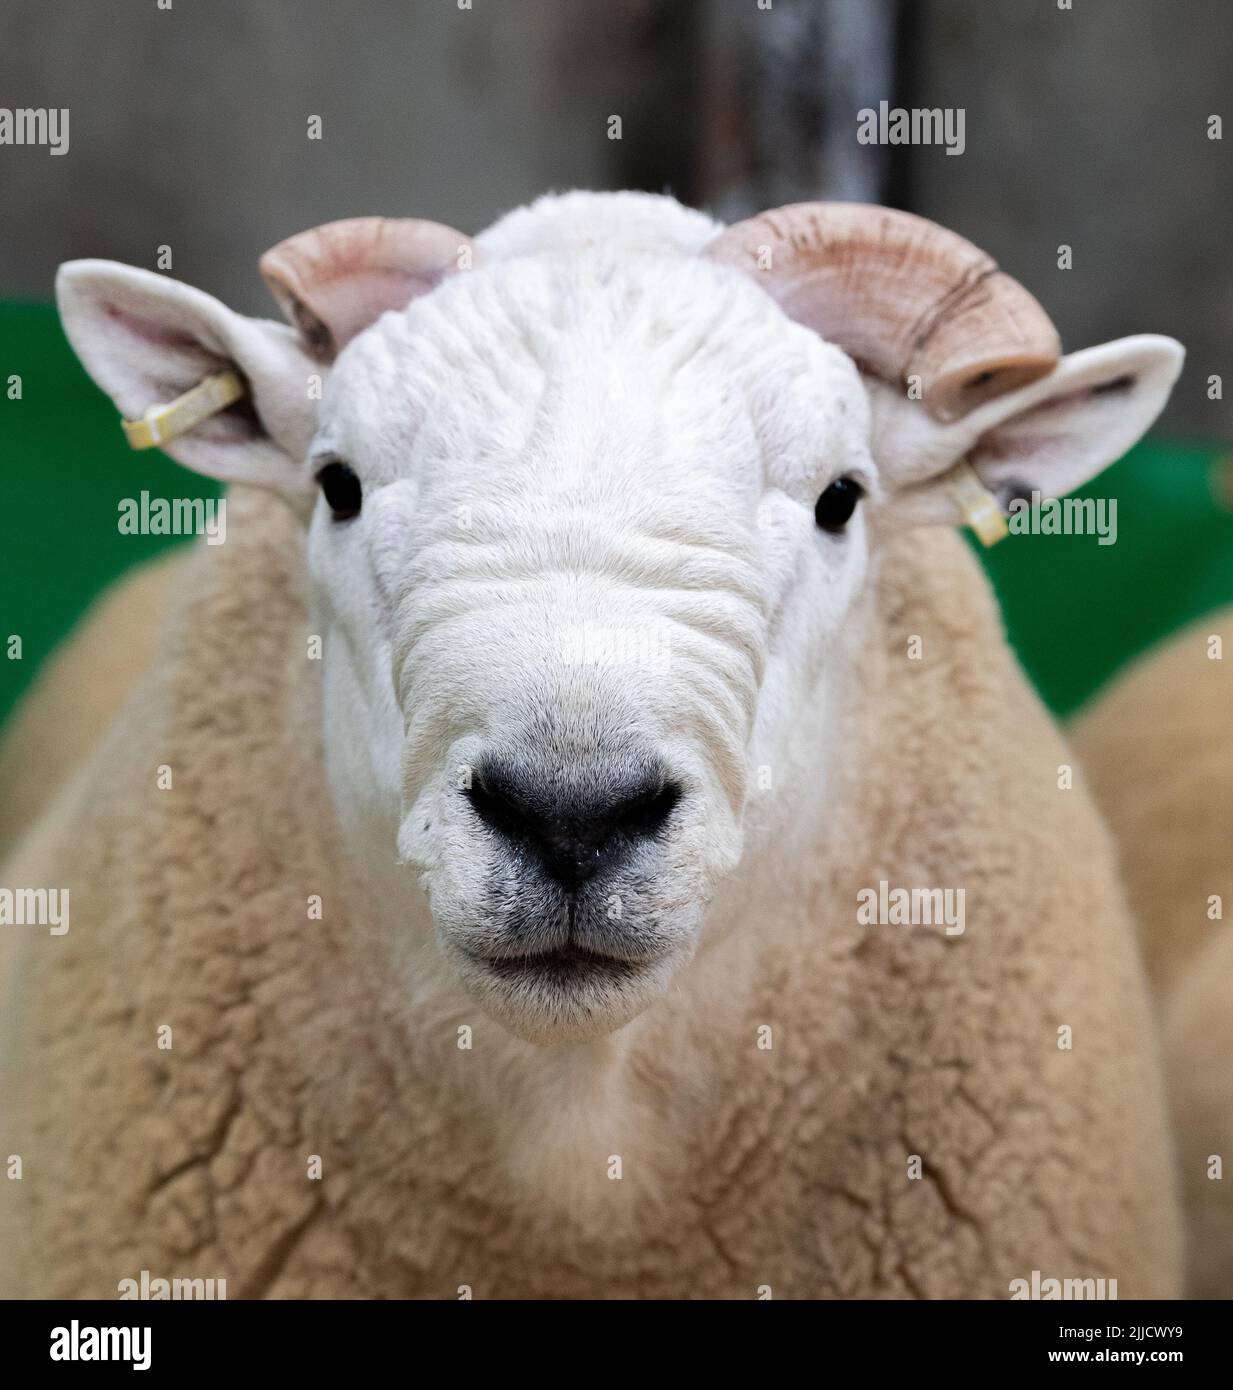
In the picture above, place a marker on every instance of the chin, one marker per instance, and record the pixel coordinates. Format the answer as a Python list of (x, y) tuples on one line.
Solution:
[(568, 995)]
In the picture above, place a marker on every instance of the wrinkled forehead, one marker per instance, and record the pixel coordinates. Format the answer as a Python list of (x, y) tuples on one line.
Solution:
[(578, 370)]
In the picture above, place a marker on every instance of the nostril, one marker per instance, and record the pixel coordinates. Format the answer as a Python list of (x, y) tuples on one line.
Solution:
[(493, 799), (644, 813), (573, 831)]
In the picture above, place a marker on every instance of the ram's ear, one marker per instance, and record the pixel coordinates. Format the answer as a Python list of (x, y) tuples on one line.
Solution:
[(146, 340), (1049, 437)]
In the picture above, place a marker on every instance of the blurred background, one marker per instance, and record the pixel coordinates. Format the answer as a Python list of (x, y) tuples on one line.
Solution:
[(1089, 125)]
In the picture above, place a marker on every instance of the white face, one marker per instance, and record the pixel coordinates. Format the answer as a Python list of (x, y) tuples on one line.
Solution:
[(584, 596)]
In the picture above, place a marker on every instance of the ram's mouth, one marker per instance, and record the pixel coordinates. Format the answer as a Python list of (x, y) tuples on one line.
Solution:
[(564, 965), (569, 993)]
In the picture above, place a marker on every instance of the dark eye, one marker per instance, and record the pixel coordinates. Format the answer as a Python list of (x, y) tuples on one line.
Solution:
[(834, 508), (341, 487)]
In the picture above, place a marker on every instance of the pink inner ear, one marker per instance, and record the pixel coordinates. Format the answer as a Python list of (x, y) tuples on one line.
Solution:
[(996, 450), (333, 281), (172, 359), (151, 330), (350, 304)]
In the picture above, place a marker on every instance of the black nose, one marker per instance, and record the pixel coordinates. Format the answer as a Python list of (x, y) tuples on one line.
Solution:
[(573, 825)]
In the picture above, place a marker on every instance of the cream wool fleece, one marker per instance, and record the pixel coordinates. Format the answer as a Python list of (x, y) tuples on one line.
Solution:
[(76, 696), (913, 1130), (1158, 753)]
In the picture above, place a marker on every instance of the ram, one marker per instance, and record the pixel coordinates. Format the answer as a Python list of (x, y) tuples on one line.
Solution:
[(457, 959)]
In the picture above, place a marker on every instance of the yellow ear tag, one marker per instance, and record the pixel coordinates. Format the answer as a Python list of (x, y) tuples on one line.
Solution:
[(978, 505), (163, 422)]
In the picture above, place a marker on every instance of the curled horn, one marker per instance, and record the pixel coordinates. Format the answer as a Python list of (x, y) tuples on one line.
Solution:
[(901, 295), (332, 281)]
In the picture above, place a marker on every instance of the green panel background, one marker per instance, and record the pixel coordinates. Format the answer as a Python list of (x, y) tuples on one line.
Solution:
[(1075, 610)]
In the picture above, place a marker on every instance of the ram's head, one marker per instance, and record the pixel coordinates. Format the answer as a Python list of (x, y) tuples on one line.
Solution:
[(590, 505)]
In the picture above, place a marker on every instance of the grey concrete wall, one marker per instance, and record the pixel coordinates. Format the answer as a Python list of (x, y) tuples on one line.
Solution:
[(188, 126), (781, 91), (1084, 126)]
